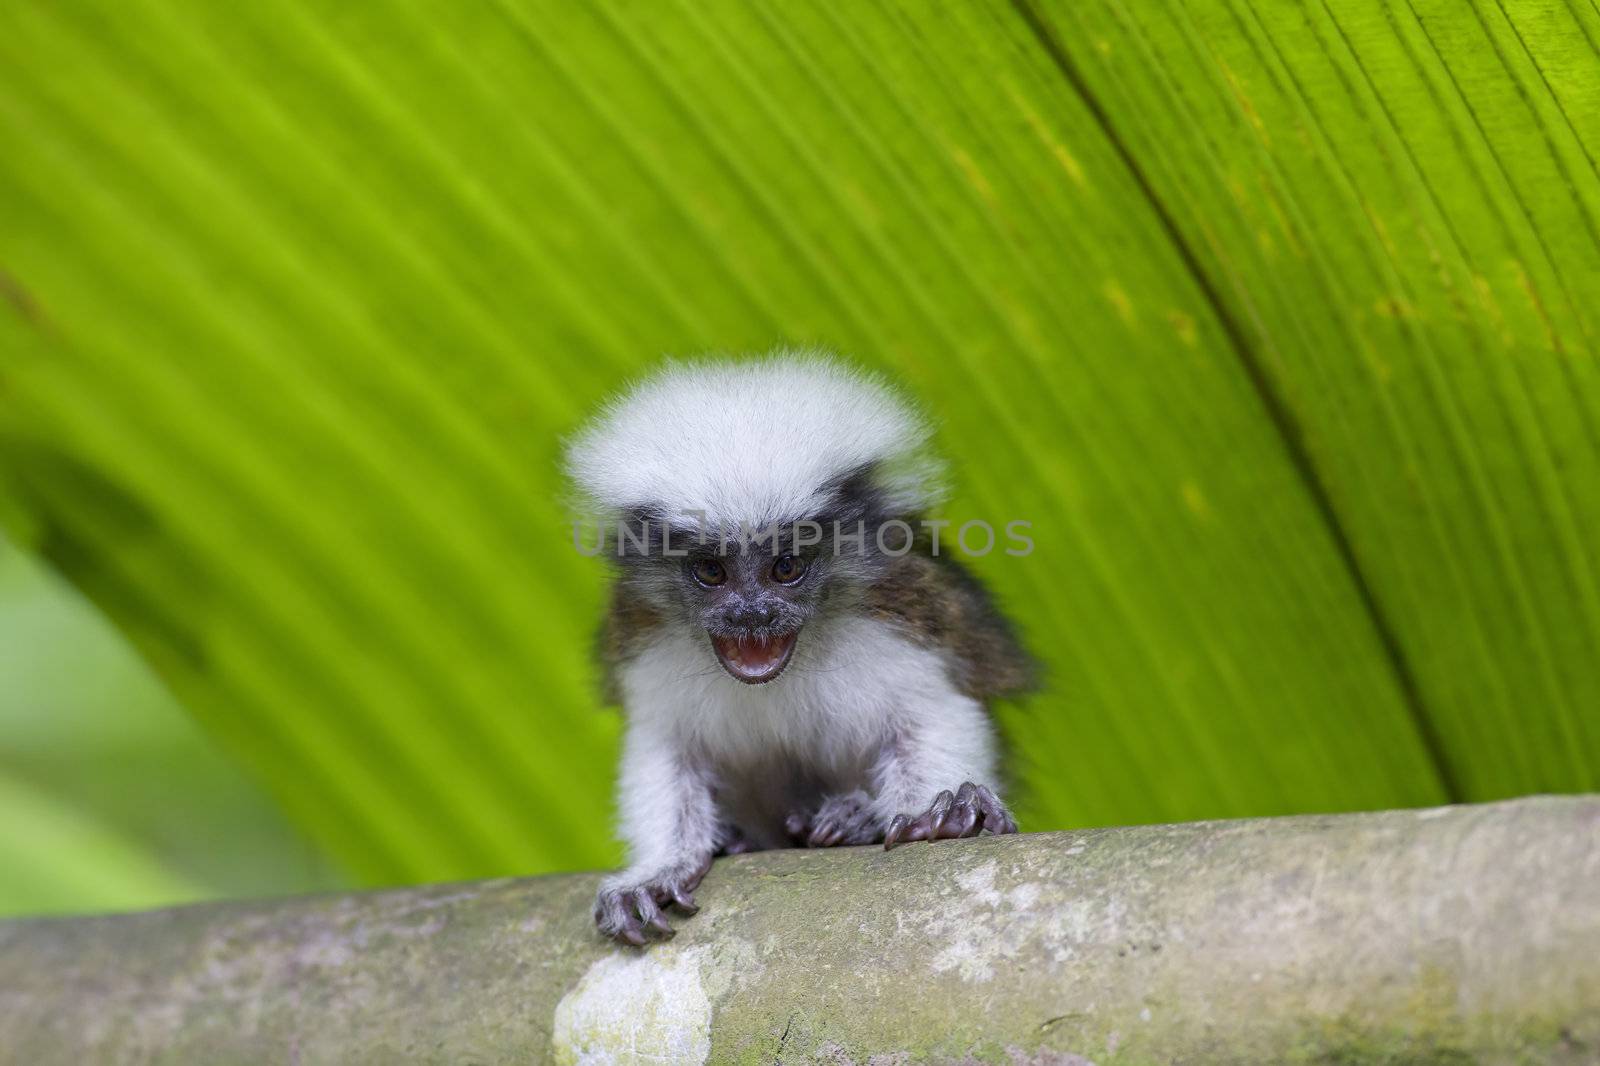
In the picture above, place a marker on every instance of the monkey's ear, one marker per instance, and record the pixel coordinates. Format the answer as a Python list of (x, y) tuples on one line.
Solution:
[(853, 495), (880, 490)]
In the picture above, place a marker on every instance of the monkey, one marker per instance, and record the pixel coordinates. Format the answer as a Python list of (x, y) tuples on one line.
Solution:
[(796, 664)]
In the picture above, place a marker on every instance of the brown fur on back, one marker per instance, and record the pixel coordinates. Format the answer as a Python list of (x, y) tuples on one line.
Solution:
[(939, 604), (628, 625)]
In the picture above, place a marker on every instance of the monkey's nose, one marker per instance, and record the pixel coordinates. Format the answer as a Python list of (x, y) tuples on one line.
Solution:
[(751, 617)]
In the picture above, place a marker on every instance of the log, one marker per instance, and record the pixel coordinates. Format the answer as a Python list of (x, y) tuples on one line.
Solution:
[(1451, 935)]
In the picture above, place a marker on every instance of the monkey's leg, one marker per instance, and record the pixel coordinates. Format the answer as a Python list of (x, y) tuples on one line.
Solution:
[(631, 911), (840, 821), (965, 813), (938, 742), (669, 819)]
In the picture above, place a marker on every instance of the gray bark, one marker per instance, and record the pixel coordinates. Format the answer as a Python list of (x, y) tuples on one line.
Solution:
[(1465, 934)]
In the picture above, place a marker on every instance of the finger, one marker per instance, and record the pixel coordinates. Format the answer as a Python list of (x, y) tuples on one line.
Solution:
[(795, 825), (825, 835), (683, 899), (962, 821), (645, 904), (897, 827), (611, 919), (616, 920), (917, 828), (938, 813), (965, 818), (996, 818)]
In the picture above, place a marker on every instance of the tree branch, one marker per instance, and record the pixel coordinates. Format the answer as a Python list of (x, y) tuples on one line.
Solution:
[(1450, 935)]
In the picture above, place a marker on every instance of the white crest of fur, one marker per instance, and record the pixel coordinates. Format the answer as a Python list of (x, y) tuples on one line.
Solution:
[(751, 441)]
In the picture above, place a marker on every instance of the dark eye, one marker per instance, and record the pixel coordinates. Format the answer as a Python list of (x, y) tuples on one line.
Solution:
[(788, 569), (709, 572)]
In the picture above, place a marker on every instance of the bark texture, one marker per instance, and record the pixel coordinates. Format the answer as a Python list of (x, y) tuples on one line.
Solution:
[(1456, 935)]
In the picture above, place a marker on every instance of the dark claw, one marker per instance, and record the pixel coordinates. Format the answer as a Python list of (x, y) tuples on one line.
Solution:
[(841, 819), (972, 809), (964, 814), (639, 911), (996, 818), (918, 828), (938, 814), (825, 835), (963, 821), (633, 914), (905, 829), (651, 914)]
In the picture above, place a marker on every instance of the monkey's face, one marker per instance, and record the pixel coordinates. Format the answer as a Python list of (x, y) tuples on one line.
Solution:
[(749, 595), (752, 605)]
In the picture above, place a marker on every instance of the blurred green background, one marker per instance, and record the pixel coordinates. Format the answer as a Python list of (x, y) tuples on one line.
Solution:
[(1277, 322), (112, 796)]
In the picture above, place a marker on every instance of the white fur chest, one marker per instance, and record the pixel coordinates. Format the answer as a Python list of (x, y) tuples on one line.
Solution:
[(851, 685)]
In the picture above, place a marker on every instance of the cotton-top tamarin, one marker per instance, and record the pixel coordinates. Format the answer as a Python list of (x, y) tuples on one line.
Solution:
[(795, 668)]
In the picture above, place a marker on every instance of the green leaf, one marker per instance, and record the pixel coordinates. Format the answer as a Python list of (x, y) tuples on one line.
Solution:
[(89, 734), (1272, 324), (59, 860)]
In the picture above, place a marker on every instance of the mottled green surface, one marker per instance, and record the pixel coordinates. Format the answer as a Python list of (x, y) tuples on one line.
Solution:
[(1453, 935)]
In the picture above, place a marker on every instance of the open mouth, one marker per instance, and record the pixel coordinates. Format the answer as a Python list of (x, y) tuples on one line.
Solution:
[(754, 660)]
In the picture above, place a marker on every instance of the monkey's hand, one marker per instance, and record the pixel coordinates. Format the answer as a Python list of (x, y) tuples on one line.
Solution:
[(629, 907), (733, 841), (966, 813), (841, 821)]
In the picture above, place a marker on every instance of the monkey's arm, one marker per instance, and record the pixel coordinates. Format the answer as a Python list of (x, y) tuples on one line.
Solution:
[(934, 778), (932, 769), (669, 823)]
